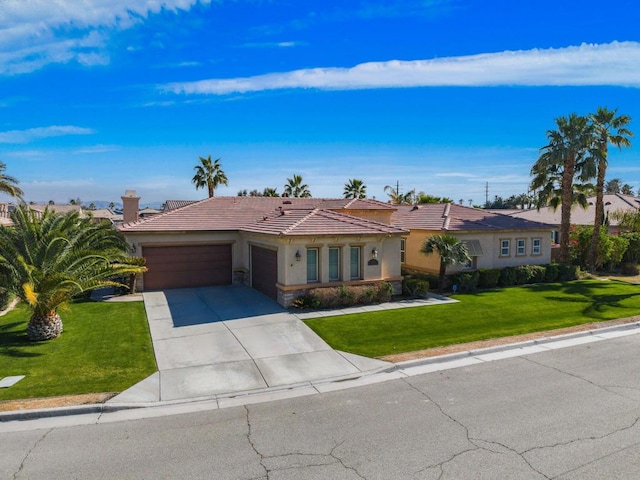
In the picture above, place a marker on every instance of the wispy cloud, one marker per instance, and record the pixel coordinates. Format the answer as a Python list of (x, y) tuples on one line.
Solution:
[(616, 63), (36, 33), (31, 134), (286, 44)]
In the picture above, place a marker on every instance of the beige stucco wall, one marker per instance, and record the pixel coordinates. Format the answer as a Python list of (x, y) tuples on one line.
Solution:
[(290, 271), (490, 243)]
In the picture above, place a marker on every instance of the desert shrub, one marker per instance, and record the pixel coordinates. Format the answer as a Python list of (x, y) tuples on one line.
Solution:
[(344, 296), (551, 272), (347, 295), (507, 277), (306, 302), (630, 269), (415, 287), (384, 292), (488, 277)]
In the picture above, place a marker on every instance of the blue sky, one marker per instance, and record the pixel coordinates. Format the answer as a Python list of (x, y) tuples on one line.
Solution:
[(442, 96)]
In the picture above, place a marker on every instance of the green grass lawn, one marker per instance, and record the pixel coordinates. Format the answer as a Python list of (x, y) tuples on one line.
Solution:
[(105, 347), (480, 316)]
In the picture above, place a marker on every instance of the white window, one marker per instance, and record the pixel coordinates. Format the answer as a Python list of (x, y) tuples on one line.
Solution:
[(312, 265), (521, 247), (334, 264), (505, 248), (354, 263), (536, 246), (403, 247)]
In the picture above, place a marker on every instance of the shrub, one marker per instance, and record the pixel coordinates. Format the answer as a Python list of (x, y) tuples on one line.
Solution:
[(567, 272), (619, 246), (384, 292), (344, 296), (306, 302), (507, 277), (466, 281), (551, 272), (488, 277), (632, 253), (415, 287), (527, 274), (630, 269)]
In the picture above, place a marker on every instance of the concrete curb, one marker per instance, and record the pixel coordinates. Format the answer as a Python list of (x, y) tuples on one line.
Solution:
[(311, 387)]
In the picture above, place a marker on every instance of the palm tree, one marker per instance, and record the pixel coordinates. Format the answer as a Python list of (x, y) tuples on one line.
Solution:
[(562, 159), (355, 188), (626, 189), (397, 198), (612, 186), (607, 129), (451, 251), (9, 184), (270, 192), (209, 174), (295, 188), (47, 259)]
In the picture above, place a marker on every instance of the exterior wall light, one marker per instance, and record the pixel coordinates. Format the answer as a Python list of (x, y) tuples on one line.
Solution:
[(298, 256), (374, 253)]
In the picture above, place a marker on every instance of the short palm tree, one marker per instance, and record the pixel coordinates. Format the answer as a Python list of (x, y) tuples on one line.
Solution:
[(397, 198), (451, 251), (270, 192), (46, 259), (9, 184), (608, 128), (209, 174), (295, 187), (355, 188)]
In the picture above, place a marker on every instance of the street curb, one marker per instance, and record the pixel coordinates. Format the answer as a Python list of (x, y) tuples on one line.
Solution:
[(398, 367)]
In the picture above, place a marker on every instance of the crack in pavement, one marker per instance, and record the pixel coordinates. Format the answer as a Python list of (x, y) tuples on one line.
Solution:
[(472, 440), (37, 442), (559, 370), (332, 457)]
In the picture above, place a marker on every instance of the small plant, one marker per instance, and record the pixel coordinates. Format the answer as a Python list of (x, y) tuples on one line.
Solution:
[(415, 287), (306, 302)]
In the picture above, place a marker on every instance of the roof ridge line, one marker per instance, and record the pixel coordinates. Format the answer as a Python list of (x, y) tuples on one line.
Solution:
[(295, 224)]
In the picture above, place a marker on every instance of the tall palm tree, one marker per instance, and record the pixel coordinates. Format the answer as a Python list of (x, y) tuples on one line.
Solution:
[(295, 188), (561, 160), (9, 184), (608, 128), (355, 188), (397, 198), (209, 174), (47, 259), (451, 251), (270, 192)]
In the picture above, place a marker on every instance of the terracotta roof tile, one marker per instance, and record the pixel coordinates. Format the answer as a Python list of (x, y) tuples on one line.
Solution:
[(451, 217)]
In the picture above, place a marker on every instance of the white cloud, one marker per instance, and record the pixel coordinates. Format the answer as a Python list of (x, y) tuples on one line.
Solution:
[(616, 63), (30, 134), (34, 33)]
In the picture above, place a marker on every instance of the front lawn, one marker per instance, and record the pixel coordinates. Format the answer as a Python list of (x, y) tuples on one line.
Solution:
[(105, 347), (479, 316)]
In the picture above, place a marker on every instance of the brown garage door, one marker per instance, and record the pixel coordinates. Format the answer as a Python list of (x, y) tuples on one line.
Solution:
[(187, 266), (264, 271)]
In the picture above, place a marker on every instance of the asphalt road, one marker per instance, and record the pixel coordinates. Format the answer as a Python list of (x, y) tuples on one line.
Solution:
[(571, 413)]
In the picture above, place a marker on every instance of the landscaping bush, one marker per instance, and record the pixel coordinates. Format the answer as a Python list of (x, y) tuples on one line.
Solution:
[(630, 269), (344, 296), (507, 277), (415, 287), (551, 272), (467, 281), (488, 277), (632, 253), (619, 246), (306, 302), (527, 274), (384, 292), (567, 272)]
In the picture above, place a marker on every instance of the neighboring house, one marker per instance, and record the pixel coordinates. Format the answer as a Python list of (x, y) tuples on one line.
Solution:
[(493, 240), (282, 247), (583, 216)]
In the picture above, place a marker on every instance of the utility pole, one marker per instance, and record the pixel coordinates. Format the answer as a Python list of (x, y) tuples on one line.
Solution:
[(486, 195)]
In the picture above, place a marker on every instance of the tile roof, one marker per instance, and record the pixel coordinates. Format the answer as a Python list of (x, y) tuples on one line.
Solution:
[(452, 217), (317, 222), (236, 213), (173, 204), (581, 216)]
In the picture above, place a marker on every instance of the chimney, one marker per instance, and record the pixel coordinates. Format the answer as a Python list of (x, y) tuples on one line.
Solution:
[(130, 206)]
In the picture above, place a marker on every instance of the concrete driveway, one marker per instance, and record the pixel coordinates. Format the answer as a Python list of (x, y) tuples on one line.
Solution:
[(225, 340)]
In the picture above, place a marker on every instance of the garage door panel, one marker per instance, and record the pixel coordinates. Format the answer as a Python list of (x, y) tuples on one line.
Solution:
[(264, 271), (186, 266)]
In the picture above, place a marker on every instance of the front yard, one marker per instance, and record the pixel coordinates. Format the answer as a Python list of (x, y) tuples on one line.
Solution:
[(105, 347), (480, 316)]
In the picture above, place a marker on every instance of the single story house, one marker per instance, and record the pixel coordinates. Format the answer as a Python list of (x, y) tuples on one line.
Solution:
[(493, 240), (280, 246)]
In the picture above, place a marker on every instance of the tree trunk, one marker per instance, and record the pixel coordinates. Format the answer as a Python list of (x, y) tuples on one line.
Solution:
[(443, 272), (567, 200), (44, 327), (598, 220)]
